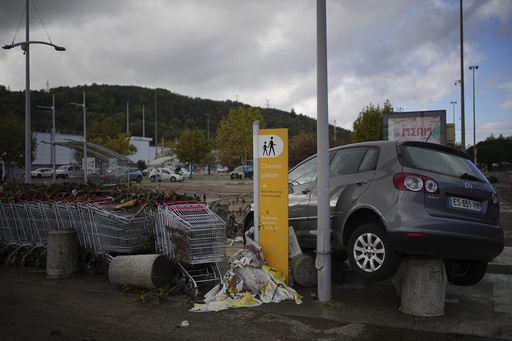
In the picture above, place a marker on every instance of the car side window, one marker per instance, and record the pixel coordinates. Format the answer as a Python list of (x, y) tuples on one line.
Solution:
[(369, 162), (346, 161), (304, 173)]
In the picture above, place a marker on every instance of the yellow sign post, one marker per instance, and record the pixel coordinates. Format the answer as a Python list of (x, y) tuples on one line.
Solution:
[(273, 196)]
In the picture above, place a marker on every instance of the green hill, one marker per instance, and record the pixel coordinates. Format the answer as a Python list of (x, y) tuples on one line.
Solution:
[(175, 112)]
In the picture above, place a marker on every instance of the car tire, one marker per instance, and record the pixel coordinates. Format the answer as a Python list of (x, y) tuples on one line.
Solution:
[(139, 179), (232, 177), (370, 254), (464, 272), (173, 179), (39, 176)]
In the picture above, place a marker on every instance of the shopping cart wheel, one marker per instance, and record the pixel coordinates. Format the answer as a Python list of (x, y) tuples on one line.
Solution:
[(191, 290)]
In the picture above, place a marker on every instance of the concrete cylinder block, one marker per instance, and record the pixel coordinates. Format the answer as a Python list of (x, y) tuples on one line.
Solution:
[(303, 271), (62, 253), (143, 271), (423, 286)]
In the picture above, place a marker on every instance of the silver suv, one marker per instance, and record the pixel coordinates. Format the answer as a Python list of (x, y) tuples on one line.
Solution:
[(392, 199), (66, 171)]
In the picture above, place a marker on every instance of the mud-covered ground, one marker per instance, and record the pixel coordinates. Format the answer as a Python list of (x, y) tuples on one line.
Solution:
[(88, 307)]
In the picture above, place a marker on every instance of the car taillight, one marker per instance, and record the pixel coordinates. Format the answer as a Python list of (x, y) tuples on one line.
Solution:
[(415, 183)]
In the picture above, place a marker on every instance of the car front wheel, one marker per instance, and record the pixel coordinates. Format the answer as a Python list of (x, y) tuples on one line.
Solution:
[(464, 272), (370, 254), (173, 179), (139, 179)]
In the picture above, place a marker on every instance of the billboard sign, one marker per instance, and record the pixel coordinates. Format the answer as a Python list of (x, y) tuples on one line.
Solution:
[(425, 126)]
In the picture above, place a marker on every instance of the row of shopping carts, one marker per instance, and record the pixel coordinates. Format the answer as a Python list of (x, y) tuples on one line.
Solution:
[(188, 232), (26, 222)]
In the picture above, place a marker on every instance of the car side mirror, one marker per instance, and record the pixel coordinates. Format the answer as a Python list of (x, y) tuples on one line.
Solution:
[(290, 189)]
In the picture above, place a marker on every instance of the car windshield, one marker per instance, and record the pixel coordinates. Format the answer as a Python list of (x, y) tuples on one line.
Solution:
[(442, 162)]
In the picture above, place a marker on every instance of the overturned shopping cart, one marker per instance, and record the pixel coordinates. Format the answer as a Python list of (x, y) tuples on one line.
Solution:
[(194, 237)]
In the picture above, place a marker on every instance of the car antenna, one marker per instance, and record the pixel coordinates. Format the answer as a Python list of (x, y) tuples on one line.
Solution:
[(433, 129)]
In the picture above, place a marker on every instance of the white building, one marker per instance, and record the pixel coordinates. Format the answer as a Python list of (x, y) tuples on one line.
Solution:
[(64, 156)]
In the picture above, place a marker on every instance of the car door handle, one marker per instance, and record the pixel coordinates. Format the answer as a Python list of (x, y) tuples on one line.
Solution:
[(306, 191), (361, 182)]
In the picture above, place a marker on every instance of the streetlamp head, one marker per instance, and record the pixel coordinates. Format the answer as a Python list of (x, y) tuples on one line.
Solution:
[(7, 47), (59, 48)]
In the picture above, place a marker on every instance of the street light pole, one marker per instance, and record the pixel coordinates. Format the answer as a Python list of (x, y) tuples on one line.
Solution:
[(454, 102), (208, 122), (26, 47), (462, 110), (53, 135), (85, 138), (473, 68)]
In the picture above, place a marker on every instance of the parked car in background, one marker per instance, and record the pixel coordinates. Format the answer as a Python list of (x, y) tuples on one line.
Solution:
[(42, 173), (222, 169), (237, 173), (184, 173), (67, 170), (393, 199), (165, 174), (135, 174)]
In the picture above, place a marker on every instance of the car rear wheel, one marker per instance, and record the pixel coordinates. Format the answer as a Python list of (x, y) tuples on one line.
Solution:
[(139, 179), (464, 272), (370, 254)]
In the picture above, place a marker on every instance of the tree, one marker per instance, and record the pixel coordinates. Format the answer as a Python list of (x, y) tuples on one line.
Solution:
[(120, 144), (368, 125), (12, 142), (108, 134), (300, 147), (193, 147), (234, 136), (494, 150)]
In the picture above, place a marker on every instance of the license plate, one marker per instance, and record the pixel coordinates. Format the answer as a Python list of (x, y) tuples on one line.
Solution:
[(465, 204)]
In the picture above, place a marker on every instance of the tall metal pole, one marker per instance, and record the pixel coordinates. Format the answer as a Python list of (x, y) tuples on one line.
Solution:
[(52, 153), (323, 255), (156, 131), (208, 125), (53, 139), (453, 103), (474, 67), (28, 147), (85, 143), (143, 122), (127, 117), (85, 137), (256, 177), (462, 113)]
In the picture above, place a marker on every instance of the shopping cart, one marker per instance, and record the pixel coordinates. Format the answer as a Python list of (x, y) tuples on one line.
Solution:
[(102, 231), (24, 226), (194, 237)]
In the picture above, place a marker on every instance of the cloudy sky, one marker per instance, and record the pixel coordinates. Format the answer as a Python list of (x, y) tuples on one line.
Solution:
[(264, 52)]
